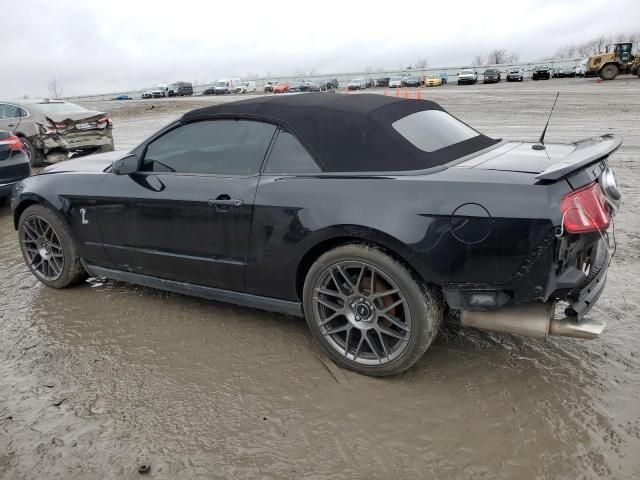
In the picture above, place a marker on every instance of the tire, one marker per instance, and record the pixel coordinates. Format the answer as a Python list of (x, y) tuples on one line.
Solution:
[(69, 269), (36, 156), (384, 348), (609, 72)]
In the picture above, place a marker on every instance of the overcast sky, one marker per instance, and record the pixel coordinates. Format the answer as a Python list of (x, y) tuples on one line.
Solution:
[(108, 45)]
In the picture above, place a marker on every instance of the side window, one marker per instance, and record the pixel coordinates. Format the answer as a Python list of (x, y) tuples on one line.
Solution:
[(289, 156), (9, 111), (221, 147)]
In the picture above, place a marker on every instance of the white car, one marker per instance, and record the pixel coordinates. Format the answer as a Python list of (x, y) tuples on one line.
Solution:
[(468, 75), (357, 84), (160, 91), (147, 94), (581, 68), (395, 82), (246, 87)]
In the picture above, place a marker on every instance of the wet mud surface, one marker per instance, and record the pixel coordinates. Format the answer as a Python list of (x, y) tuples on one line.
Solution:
[(99, 379)]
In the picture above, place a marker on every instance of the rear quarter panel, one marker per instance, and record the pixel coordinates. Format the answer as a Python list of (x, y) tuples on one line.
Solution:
[(409, 215)]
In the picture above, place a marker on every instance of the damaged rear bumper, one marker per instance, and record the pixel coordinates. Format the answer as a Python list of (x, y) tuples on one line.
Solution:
[(88, 141)]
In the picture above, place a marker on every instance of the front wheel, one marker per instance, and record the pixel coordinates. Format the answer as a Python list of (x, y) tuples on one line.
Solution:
[(48, 248), (368, 312), (609, 72)]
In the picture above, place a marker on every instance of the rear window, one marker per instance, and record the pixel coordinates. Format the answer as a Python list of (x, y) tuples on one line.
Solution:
[(431, 130), (60, 107)]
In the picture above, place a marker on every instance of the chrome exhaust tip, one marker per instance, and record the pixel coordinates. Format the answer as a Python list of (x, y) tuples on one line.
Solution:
[(533, 320)]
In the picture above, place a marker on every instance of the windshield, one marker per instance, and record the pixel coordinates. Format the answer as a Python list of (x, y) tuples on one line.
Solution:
[(60, 107), (357, 80), (466, 72), (433, 77), (490, 72), (222, 84), (541, 67), (395, 79), (432, 130)]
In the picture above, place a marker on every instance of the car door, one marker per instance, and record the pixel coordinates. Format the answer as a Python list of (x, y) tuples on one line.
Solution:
[(186, 214), (10, 116)]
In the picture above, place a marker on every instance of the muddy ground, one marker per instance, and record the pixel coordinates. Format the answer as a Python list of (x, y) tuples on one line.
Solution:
[(96, 380)]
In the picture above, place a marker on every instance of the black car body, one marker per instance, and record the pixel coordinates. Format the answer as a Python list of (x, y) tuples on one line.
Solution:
[(14, 163), (541, 72), (491, 75), (382, 82), (180, 89), (565, 72), (330, 206)]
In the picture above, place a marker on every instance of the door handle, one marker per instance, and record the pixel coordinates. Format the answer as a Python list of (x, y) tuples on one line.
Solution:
[(11, 124), (226, 203)]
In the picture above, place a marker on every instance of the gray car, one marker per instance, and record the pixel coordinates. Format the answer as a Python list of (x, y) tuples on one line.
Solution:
[(54, 130)]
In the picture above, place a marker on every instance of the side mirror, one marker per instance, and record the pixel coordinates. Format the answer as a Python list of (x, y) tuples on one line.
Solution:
[(126, 165)]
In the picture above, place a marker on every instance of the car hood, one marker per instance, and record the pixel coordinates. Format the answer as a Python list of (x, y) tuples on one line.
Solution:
[(88, 164), (551, 163)]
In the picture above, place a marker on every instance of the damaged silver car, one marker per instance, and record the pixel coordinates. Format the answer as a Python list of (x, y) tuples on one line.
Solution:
[(55, 130)]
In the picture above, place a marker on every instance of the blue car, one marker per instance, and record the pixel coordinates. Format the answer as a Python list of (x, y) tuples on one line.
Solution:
[(121, 97)]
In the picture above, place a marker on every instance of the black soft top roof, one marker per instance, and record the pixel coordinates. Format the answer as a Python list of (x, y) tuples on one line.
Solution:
[(347, 133)]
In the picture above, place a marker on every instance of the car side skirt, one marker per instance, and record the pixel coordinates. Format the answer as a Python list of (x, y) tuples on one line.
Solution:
[(237, 298)]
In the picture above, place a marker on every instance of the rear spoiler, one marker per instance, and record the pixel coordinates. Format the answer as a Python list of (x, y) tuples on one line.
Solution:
[(587, 151)]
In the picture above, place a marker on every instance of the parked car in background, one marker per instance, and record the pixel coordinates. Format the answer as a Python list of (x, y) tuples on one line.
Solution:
[(53, 130), (515, 74), (581, 67), (334, 83), (357, 84), (541, 72), (180, 89), (281, 87), (315, 86), (491, 230), (412, 81), (248, 86), (371, 83), (396, 82), (382, 82), (14, 163), (326, 85), (565, 72), (147, 94), (226, 85), (298, 86), (467, 76), (209, 91), (160, 91), (433, 80), (491, 75), (121, 97), (268, 87)]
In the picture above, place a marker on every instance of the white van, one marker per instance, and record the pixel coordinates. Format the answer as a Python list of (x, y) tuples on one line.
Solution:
[(226, 85), (246, 87)]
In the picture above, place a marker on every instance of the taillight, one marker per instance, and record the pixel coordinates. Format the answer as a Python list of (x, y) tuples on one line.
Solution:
[(102, 120), (12, 142), (585, 210)]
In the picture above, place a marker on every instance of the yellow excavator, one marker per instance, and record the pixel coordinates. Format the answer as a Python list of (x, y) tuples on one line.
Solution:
[(611, 64)]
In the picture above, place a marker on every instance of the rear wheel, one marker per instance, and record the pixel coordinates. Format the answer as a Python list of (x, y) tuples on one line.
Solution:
[(368, 312), (36, 157), (609, 72), (48, 248)]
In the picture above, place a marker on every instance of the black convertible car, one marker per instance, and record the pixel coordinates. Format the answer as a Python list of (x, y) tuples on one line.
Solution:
[(368, 215)]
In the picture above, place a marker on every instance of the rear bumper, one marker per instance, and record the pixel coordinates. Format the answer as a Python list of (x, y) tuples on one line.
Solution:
[(86, 140)]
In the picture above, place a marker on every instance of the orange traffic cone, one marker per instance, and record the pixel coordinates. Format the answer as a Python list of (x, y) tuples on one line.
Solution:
[(385, 92), (397, 91), (418, 97), (406, 93), (346, 90)]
